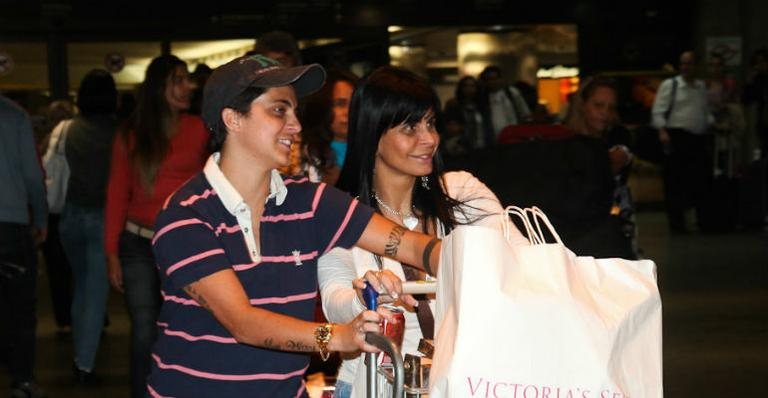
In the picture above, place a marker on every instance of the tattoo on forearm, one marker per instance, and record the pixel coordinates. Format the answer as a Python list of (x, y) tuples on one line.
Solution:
[(190, 289), (270, 343), (290, 345), (395, 237), (299, 346)]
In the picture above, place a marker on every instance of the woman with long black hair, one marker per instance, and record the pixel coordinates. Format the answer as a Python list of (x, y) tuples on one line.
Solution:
[(393, 165)]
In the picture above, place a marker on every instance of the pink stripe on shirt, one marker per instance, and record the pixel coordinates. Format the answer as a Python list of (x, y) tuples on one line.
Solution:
[(179, 300), (343, 226), (218, 376), (194, 258), (224, 228), (284, 300), (194, 198), (177, 224), (318, 195), (206, 337), (257, 301), (243, 267), (154, 393), (298, 216), (301, 389), (292, 181), (288, 217), (288, 259)]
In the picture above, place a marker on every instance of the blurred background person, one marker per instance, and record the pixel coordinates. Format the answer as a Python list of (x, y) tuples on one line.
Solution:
[(724, 104), (721, 88), (593, 113), (681, 114), (280, 46), (126, 104), (88, 142), (56, 264), (199, 76), (755, 99), (325, 122), (159, 148), (54, 113), (529, 93), (505, 103), (467, 119), (23, 225)]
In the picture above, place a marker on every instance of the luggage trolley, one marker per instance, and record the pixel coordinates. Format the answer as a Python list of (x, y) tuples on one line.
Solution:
[(403, 378), (393, 373)]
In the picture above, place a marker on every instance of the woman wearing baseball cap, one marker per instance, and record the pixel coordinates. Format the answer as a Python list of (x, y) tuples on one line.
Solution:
[(237, 248)]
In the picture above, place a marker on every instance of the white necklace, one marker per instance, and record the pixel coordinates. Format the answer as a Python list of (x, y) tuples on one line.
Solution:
[(409, 220)]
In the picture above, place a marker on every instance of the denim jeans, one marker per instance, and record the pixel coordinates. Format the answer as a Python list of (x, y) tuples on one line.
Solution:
[(82, 234), (342, 390), (142, 297), (18, 299)]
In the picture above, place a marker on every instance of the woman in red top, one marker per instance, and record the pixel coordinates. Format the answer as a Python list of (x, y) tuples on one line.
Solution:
[(159, 149)]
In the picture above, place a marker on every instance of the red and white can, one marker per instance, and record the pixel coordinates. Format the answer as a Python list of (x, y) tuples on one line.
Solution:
[(394, 329)]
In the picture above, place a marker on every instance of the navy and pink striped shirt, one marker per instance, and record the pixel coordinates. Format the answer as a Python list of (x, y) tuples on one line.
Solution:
[(201, 231)]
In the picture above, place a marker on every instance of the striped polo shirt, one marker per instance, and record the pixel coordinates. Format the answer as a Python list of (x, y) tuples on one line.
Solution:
[(202, 230)]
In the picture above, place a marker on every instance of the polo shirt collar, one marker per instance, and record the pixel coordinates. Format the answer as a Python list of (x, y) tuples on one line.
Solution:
[(227, 193)]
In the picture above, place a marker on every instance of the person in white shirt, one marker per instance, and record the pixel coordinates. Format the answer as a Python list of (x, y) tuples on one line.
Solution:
[(393, 165), (506, 104), (680, 113)]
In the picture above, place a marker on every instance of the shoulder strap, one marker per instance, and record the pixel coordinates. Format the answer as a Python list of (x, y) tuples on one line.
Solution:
[(511, 97), (63, 136), (672, 99)]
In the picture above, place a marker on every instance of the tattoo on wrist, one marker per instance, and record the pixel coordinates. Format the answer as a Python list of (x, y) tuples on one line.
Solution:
[(395, 237), (299, 346), (190, 289)]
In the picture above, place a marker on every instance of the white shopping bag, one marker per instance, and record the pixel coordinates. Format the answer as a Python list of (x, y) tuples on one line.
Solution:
[(536, 321)]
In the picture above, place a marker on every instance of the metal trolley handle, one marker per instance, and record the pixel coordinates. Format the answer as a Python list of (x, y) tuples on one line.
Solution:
[(386, 345)]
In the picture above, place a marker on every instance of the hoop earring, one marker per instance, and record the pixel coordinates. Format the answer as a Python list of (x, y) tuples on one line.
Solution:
[(425, 182)]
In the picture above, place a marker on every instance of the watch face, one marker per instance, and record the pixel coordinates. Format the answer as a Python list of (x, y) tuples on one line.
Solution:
[(323, 333)]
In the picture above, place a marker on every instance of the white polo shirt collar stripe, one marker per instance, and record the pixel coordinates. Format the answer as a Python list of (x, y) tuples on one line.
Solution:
[(234, 203)]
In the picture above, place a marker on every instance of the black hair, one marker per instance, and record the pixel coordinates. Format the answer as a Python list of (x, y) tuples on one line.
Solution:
[(278, 41), (489, 70), (593, 83), (459, 92), (240, 104), (389, 97), (97, 93)]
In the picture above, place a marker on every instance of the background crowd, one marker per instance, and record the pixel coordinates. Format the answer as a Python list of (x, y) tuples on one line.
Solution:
[(128, 152)]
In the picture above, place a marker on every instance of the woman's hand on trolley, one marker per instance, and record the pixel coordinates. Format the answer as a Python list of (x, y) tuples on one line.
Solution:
[(389, 286), (352, 335)]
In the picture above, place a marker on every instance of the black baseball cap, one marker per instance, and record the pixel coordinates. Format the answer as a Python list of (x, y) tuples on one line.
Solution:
[(229, 80)]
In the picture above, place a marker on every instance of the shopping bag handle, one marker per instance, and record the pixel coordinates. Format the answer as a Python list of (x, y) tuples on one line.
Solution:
[(507, 223), (532, 218)]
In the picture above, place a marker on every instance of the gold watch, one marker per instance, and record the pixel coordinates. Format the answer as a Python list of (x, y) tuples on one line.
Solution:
[(323, 334)]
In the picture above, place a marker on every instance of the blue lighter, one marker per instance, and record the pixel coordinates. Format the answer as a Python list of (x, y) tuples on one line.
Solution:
[(370, 296)]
